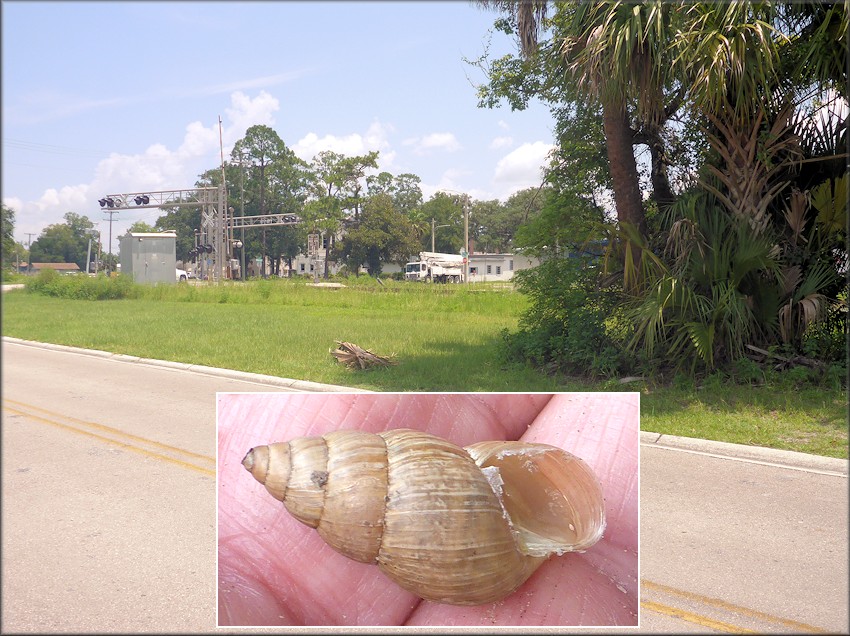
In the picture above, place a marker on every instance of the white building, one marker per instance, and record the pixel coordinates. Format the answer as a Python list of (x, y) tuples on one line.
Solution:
[(498, 267)]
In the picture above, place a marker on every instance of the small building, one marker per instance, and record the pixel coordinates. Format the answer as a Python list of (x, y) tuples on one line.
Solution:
[(498, 267), (60, 268), (149, 257)]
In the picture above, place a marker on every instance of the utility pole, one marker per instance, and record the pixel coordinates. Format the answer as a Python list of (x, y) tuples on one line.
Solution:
[(110, 212), (466, 239), (29, 247), (242, 158)]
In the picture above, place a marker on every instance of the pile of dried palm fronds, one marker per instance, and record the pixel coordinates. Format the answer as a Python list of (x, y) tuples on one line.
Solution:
[(353, 356)]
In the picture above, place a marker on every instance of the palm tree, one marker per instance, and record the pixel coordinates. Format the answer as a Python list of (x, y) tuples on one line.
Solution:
[(616, 52)]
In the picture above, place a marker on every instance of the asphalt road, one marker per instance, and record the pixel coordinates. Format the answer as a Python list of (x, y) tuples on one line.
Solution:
[(109, 510)]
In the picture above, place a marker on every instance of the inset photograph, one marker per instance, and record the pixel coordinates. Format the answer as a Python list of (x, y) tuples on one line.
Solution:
[(449, 509)]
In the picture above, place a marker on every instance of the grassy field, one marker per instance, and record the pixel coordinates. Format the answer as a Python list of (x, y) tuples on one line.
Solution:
[(445, 338)]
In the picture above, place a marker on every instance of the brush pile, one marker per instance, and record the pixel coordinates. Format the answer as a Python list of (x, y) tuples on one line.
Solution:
[(355, 357)]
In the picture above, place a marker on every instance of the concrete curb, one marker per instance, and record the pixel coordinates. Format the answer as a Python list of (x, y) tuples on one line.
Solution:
[(270, 380), (790, 459)]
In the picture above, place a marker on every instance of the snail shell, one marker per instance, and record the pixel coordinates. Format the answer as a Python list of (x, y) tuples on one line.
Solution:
[(452, 525)]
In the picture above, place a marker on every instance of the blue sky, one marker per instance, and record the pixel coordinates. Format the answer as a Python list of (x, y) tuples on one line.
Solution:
[(107, 97)]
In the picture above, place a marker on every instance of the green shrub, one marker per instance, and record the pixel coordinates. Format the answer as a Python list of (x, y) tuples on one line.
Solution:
[(572, 326), (83, 286)]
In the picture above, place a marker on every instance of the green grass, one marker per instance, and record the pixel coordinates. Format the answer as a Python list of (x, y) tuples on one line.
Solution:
[(806, 419), (445, 338)]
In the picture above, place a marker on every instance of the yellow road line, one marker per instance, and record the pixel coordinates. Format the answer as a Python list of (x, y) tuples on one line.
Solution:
[(731, 607), (113, 431), (694, 618), (125, 445)]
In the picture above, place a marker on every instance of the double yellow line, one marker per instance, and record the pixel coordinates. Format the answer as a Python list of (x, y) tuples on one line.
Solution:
[(197, 462), (717, 605)]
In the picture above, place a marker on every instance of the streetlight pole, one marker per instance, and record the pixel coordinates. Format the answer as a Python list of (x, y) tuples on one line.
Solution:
[(242, 203), (433, 231), (466, 239), (465, 250)]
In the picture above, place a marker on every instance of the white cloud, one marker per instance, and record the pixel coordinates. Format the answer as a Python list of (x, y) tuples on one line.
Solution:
[(501, 142), (246, 112), (444, 141), (439, 141), (254, 82), (521, 168), (376, 137), (157, 168), (503, 124)]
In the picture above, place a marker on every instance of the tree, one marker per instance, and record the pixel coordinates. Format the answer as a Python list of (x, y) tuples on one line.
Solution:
[(184, 221), (140, 227), (496, 224), (289, 186), (609, 51), (64, 242), (447, 210), (7, 227), (751, 88), (404, 189), (383, 235), (337, 182), (262, 147)]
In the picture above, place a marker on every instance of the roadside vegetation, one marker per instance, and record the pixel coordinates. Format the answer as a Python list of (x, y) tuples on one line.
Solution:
[(444, 337)]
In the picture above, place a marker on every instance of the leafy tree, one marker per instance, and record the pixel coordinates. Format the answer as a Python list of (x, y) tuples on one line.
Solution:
[(340, 178), (496, 223), (336, 187), (729, 99), (267, 187), (383, 235), (7, 227), (184, 221), (141, 227), (447, 210), (610, 53), (64, 242), (289, 183), (404, 189)]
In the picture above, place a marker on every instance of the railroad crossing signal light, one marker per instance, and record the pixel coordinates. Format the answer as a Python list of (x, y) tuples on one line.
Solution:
[(142, 199)]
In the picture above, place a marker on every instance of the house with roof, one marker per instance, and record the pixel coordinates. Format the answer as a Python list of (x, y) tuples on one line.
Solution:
[(61, 268)]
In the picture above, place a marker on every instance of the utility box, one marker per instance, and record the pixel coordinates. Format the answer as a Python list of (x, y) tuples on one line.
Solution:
[(149, 257)]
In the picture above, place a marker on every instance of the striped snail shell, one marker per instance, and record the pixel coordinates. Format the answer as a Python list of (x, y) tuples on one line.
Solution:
[(464, 526)]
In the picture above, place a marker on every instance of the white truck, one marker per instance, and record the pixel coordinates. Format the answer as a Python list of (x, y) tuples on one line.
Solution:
[(435, 267)]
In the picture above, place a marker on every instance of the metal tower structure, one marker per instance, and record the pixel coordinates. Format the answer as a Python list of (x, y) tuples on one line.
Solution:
[(214, 227)]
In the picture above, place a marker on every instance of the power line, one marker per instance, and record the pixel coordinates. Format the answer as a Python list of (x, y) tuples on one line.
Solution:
[(52, 149)]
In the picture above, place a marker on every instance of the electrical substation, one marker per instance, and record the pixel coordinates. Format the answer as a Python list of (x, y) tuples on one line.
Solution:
[(214, 240)]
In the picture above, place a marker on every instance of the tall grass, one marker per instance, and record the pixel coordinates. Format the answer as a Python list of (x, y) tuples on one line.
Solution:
[(444, 337)]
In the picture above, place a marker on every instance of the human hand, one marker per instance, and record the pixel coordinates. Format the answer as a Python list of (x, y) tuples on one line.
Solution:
[(274, 570)]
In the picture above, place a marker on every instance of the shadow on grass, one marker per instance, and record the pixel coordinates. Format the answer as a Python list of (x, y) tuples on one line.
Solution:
[(452, 366)]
